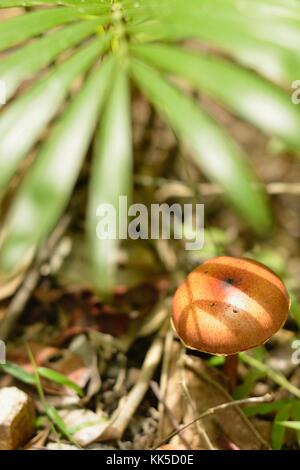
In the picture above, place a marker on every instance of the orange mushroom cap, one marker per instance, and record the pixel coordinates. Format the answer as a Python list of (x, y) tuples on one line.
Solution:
[(228, 305)]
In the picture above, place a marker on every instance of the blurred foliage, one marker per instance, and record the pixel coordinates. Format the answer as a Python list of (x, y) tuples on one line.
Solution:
[(246, 58)]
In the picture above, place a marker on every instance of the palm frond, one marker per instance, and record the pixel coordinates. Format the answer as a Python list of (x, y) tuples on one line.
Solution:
[(246, 58)]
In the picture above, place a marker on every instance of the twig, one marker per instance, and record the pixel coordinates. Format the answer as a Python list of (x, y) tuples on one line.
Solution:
[(169, 188), (168, 344), (129, 404), (199, 428), (171, 416), (19, 301), (246, 401)]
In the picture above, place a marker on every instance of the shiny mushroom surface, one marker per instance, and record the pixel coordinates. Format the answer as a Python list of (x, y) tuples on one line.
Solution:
[(228, 305)]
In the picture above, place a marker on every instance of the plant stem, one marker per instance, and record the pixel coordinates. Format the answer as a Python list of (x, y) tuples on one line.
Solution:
[(119, 43)]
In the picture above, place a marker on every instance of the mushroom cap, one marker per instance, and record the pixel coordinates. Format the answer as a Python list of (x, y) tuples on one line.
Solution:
[(228, 305)]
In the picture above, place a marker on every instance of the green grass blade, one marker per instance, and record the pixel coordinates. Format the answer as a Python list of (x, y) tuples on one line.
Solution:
[(57, 420), (244, 390), (53, 416), (290, 424), (23, 121), (110, 178), (252, 98), (60, 379), (18, 373), (47, 187), (214, 152), (295, 414), (23, 376), (278, 430)]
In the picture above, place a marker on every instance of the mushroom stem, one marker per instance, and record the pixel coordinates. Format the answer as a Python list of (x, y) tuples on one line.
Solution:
[(230, 370)]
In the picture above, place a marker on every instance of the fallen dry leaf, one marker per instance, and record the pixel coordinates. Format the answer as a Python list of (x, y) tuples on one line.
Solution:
[(194, 388), (88, 425)]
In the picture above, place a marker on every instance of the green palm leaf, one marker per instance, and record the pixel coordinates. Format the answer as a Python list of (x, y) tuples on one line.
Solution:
[(23, 121), (45, 191), (260, 102), (31, 3), (27, 60), (252, 44), (23, 27), (219, 158), (110, 179)]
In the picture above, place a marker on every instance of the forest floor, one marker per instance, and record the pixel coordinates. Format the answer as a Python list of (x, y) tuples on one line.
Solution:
[(136, 383)]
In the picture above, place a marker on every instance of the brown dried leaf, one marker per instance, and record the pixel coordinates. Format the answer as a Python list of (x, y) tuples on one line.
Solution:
[(194, 388)]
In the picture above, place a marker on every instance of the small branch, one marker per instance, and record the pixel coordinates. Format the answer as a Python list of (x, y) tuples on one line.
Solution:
[(164, 378), (168, 188), (200, 429), (19, 301), (171, 416), (246, 401), (129, 404)]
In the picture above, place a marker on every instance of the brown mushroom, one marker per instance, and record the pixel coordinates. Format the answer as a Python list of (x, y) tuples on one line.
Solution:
[(228, 305)]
